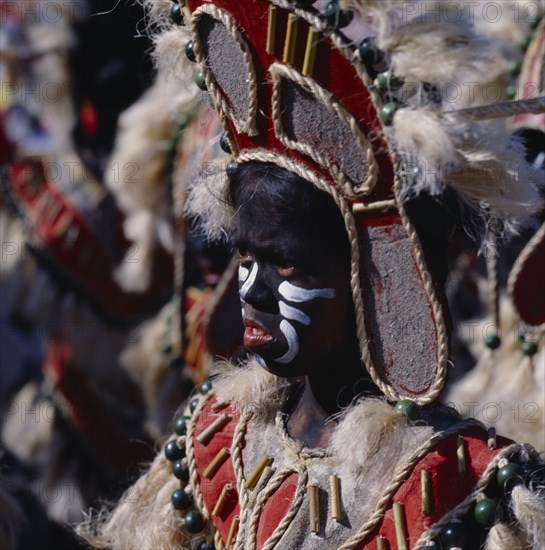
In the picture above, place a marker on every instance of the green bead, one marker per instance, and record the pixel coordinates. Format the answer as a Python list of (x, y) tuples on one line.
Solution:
[(511, 91), (193, 404), (176, 14), (224, 143), (231, 167), (180, 471), (190, 51), (408, 408), (194, 522), (486, 512), (173, 452), (199, 80), (180, 425), (509, 476), (205, 387), (514, 68), (370, 54), (525, 42), (336, 17), (387, 112), (492, 341), (529, 348), (181, 500), (387, 81), (454, 535)]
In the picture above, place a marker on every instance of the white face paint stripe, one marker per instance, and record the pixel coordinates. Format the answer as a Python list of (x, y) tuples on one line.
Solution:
[(249, 282), (293, 342), (293, 313), (243, 273), (293, 293)]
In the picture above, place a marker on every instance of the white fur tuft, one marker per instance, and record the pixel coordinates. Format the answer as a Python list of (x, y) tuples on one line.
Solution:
[(529, 509)]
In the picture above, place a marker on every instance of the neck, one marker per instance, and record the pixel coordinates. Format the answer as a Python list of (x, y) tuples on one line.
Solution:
[(325, 394)]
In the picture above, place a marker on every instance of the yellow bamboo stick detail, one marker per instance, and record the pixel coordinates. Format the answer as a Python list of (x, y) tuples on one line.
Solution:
[(257, 471), (400, 526), (232, 531), (271, 30), (427, 492), (216, 463), (291, 39), (206, 435), (310, 52), (334, 497), (461, 454), (492, 442), (314, 508), (220, 505)]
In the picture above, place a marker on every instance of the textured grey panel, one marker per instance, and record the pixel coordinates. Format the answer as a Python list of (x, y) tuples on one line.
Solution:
[(399, 318), (307, 120), (226, 61)]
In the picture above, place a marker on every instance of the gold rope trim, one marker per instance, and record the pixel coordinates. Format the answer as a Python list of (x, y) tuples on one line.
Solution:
[(249, 125)]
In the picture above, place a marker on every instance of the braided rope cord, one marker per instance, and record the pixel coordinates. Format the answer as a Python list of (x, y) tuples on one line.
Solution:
[(464, 506), (280, 72), (190, 453), (248, 126), (400, 476)]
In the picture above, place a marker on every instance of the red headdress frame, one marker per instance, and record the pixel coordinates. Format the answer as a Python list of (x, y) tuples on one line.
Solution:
[(291, 90)]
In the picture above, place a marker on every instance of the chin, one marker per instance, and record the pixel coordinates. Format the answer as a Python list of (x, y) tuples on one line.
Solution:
[(282, 370)]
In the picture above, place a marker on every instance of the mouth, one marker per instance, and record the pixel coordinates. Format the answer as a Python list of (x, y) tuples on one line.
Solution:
[(256, 336)]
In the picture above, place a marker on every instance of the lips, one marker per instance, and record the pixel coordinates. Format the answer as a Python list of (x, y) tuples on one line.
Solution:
[(256, 336)]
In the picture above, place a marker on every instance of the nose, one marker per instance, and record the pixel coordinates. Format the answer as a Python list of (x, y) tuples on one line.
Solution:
[(257, 291)]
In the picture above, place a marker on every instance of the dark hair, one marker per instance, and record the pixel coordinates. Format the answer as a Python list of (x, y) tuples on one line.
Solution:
[(292, 202)]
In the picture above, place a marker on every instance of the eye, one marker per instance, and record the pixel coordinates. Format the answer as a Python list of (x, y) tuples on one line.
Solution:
[(286, 270)]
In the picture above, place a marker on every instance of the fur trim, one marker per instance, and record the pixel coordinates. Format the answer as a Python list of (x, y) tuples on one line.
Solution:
[(529, 509), (503, 537), (252, 385), (485, 167)]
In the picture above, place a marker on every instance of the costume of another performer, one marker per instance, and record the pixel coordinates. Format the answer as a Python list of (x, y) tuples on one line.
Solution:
[(329, 436)]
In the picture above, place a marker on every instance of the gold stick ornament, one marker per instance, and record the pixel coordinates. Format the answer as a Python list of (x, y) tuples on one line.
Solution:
[(314, 508), (217, 461), (220, 505), (334, 497), (253, 478), (206, 435)]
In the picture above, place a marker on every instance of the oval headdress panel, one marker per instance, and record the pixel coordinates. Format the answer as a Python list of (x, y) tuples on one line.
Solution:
[(292, 90)]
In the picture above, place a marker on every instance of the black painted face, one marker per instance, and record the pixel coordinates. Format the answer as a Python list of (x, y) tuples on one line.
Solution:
[(295, 293)]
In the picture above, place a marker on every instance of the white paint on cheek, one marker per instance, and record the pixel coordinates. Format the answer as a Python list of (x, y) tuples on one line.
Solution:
[(243, 273), (293, 313), (248, 282), (293, 342), (296, 294)]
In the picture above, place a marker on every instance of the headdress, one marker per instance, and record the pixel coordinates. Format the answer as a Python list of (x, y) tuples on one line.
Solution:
[(356, 102)]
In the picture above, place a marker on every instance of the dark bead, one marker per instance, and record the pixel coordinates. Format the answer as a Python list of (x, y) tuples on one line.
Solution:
[(190, 52), (509, 476), (486, 512), (529, 348), (173, 452), (387, 112), (370, 54), (205, 387), (166, 348), (199, 80), (180, 424), (193, 404), (194, 522), (176, 14), (336, 17), (180, 471), (387, 81), (492, 341), (231, 167), (206, 546), (454, 535), (224, 143), (514, 68), (181, 500), (408, 408)]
